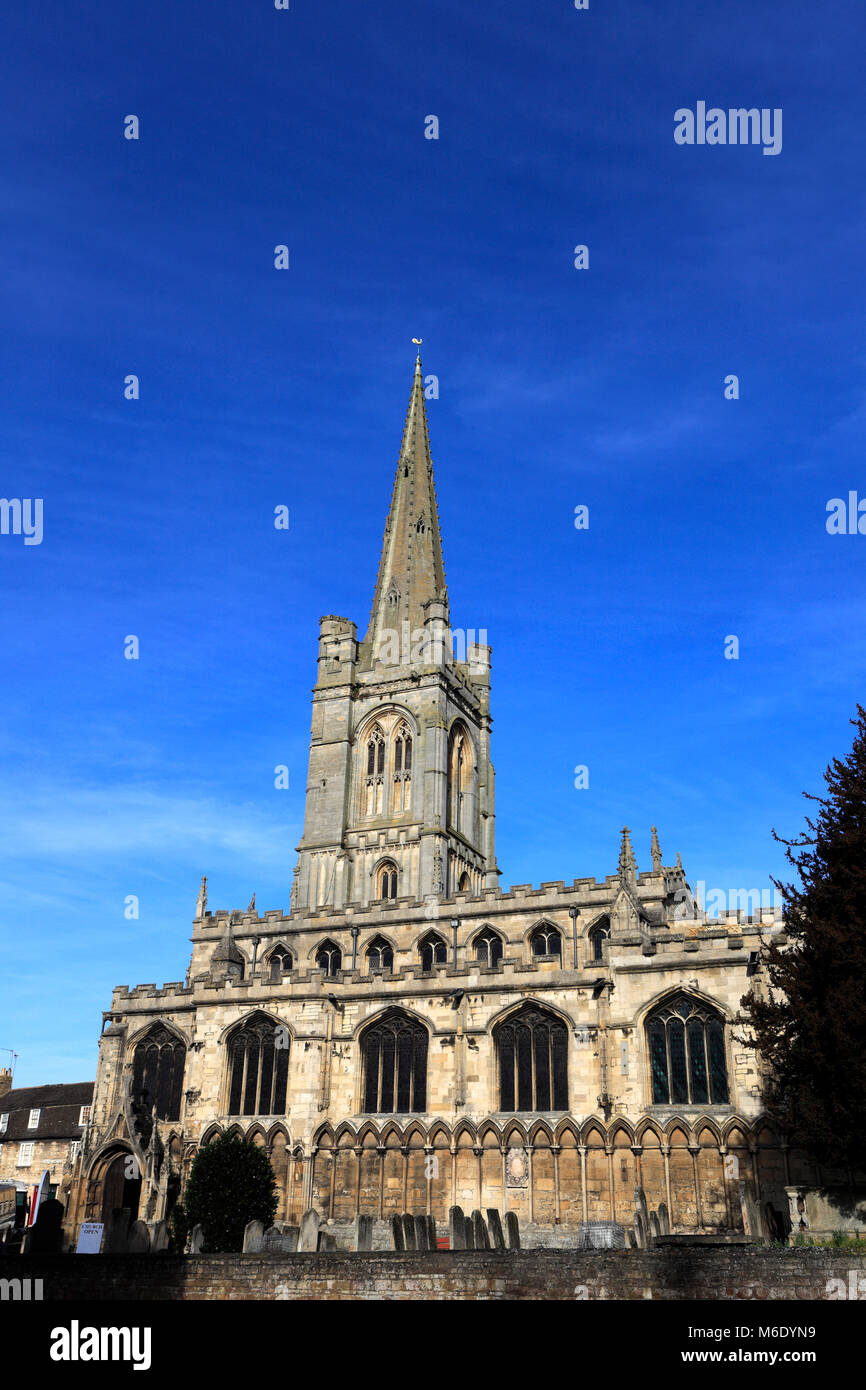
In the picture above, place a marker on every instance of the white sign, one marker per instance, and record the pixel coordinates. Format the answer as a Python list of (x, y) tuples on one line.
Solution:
[(90, 1238)]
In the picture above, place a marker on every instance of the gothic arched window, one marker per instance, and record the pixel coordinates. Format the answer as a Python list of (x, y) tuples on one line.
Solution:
[(379, 955), (394, 1051), (157, 1072), (488, 947), (463, 885), (402, 768), (597, 938), (546, 941), (279, 963), (686, 1041), (433, 951), (386, 880), (258, 1053), (532, 1050), (329, 958), (459, 773), (374, 782)]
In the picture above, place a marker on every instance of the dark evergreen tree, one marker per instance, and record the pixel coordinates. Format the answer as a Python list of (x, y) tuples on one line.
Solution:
[(231, 1183), (811, 1028)]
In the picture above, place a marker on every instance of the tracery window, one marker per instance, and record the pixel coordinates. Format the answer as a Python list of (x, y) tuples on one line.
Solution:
[(394, 1050), (433, 951), (686, 1041), (374, 784), (258, 1053), (459, 769), (157, 1072), (488, 947), (597, 939), (329, 958), (379, 955), (546, 941), (386, 886), (402, 768), (279, 963), (532, 1051)]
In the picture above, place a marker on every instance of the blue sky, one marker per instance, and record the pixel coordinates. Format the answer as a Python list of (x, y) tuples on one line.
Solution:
[(558, 387)]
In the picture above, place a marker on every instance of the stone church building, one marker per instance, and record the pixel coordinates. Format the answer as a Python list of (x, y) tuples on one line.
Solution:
[(410, 1036)]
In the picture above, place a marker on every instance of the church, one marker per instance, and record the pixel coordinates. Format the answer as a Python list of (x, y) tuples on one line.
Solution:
[(410, 1036)]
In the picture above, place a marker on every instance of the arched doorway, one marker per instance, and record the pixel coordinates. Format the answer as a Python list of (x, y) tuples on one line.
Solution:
[(119, 1189)]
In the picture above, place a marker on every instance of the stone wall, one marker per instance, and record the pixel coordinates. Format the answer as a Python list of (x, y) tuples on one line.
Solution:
[(669, 1274)]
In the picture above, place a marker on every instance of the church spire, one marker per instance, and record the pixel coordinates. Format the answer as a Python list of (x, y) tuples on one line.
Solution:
[(411, 570), (627, 865)]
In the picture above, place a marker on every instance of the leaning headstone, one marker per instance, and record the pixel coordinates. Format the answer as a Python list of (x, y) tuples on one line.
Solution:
[(117, 1232), (362, 1233), (664, 1220), (397, 1241), (654, 1228), (494, 1226), (282, 1238), (409, 1231), (139, 1239), (254, 1237), (456, 1228), (308, 1240), (752, 1221), (640, 1231), (422, 1233), (512, 1230), (46, 1232), (159, 1235), (641, 1206), (431, 1232), (632, 1240), (327, 1241), (479, 1231), (196, 1240)]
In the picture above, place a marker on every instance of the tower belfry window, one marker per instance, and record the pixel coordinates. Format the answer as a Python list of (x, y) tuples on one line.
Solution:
[(402, 768), (387, 880), (374, 786)]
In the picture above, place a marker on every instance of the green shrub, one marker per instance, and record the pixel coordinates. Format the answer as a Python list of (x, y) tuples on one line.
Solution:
[(231, 1183)]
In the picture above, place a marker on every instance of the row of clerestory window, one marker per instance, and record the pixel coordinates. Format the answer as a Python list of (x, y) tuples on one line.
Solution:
[(685, 1041)]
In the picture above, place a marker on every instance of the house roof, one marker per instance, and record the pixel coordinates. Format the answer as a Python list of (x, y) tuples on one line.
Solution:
[(60, 1107)]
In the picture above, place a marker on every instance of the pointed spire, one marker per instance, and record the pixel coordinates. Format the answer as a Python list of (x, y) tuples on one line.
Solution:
[(679, 860), (655, 851), (627, 865), (411, 570), (252, 906), (201, 904)]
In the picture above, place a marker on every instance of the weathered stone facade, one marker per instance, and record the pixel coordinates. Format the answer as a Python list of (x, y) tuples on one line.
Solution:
[(409, 1036)]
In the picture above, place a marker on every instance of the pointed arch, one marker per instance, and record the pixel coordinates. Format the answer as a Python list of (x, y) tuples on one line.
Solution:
[(158, 1065), (487, 946), (394, 1047), (540, 1127), (212, 1132), (373, 771), (687, 1051), (257, 1053), (401, 761), (433, 950), (379, 954), (461, 780), (531, 1049), (279, 962), (329, 958)]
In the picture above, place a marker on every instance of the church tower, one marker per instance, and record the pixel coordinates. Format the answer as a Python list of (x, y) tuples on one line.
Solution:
[(399, 799)]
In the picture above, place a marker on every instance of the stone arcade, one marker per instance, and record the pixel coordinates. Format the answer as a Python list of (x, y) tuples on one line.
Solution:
[(410, 1038)]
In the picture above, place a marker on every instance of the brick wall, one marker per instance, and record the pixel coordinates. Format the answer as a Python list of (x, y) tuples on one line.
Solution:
[(525, 1274)]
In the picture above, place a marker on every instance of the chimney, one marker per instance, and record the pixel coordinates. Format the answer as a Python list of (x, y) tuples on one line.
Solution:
[(5, 1080)]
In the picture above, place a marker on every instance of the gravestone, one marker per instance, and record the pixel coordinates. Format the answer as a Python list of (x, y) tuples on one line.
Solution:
[(281, 1238), (308, 1239), (422, 1233), (512, 1230), (431, 1232), (397, 1241), (479, 1231), (159, 1236), (640, 1231), (470, 1234), (641, 1206), (254, 1237), (664, 1220), (139, 1239), (196, 1240), (654, 1228), (326, 1241), (46, 1232), (752, 1221), (632, 1240), (456, 1228), (408, 1231), (117, 1231), (362, 1233), (494, 1226)]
